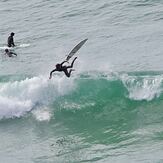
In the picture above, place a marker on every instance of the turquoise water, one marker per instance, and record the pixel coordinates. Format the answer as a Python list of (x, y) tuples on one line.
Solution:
[(110, 110)]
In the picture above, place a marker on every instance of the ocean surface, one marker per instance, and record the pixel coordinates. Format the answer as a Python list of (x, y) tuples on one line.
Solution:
[(110, 109)]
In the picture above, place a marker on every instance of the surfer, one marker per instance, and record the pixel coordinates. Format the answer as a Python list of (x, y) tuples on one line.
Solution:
[(10, 41), (60, 67), (9, 53)]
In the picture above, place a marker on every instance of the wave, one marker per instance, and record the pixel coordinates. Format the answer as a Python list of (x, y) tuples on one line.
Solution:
[(19, 96), (135, 86), (143, 87)]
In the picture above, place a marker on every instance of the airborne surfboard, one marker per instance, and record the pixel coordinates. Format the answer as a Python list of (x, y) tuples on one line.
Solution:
[(75, 49)]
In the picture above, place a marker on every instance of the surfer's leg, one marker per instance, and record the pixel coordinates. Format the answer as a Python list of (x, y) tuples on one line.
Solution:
[(72, 63), (67, 73), (70, 72)]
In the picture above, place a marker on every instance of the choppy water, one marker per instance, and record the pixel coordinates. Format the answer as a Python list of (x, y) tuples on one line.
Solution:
[(110, 110)]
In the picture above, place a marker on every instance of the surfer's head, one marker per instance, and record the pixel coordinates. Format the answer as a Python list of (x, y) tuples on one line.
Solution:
[(6, 50), (12, 33)]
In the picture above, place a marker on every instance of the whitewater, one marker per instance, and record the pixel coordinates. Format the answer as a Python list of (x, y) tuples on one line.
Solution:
[(110, 109)]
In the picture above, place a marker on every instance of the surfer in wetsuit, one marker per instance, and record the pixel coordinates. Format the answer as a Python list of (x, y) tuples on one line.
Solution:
[(9, 53), (60, 68), (10, 41)]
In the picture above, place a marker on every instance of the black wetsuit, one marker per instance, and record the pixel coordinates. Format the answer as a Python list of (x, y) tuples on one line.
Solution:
[(10, 41), (60, 68)]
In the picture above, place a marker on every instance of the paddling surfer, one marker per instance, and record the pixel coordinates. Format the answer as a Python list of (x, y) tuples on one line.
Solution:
[(9, 53)]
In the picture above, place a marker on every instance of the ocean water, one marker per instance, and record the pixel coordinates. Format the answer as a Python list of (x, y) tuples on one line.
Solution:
[(110, 109)]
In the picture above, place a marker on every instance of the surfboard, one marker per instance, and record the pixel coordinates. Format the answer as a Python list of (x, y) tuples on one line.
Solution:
[(23, 45), (5, 47), (75, 49), (17, 46)]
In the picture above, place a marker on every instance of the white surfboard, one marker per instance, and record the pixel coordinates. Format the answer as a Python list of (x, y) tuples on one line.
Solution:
[(5, 47), (23, 45), (17, 46), (75, 49)]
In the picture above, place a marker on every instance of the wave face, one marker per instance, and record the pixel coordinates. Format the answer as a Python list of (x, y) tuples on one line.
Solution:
[(113, 114)]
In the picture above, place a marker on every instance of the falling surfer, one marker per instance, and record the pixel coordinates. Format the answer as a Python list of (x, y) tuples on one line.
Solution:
[(61, 68)]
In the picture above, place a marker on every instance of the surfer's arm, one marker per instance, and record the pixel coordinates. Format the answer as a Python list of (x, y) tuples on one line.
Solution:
[(51, 73), (12, 42), (14, 53), (63, 62)]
